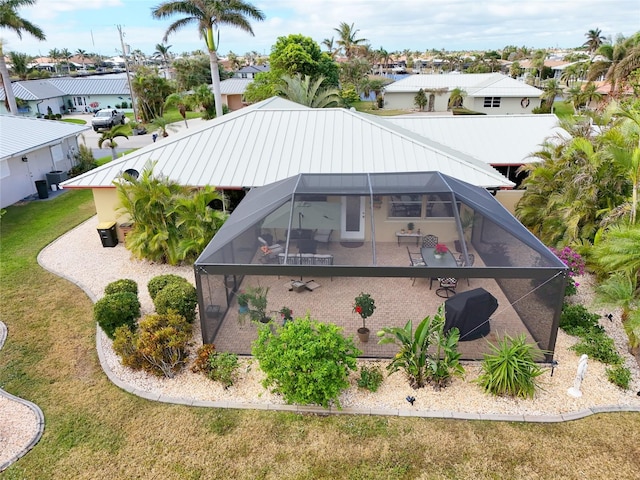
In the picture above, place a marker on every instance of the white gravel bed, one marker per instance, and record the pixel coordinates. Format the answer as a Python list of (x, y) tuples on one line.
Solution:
[(18, 427)]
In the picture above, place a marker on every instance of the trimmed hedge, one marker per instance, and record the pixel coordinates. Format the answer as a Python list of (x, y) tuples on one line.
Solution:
[(180, 297), (116, 310), (158, 283), (123, 285)]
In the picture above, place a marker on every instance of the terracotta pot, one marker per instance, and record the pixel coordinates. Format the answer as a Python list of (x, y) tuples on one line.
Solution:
[(363, 334)]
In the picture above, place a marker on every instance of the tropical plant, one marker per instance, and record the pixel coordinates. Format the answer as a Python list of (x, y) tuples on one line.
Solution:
[(159, 346), (157, 283), (223, 368), (83, 56), (619, 375), (201, 362), (456, 97), (510, 369), (19, 64), (306, 361), (414, 358), (171, 223), (181, 102), (575, 319), (84, 161), (552, 90), (150, 92), (594, 40), (258, 303), (370, 377), (598, 346), (574, 261), (162, 124), (306, 92), (122, 285), (621, 60), (108, 138), (209, 15), (347, 40), (179, 297), (162, 53), (11, 20), (297, 54)]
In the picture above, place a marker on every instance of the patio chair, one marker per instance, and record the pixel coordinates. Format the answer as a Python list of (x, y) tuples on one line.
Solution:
[(429, 241), (447, 287), (461, 262), (415, 260), (270, 251), (323, 236)]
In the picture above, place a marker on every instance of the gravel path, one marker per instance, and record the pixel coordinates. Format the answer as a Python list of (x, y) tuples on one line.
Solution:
[(80, 257)]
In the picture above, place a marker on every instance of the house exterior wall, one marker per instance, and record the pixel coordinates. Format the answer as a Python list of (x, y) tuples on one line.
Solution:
[(17, 178), (508, 105), (233, 101), (406, 101), (36, 107), (509, 199)]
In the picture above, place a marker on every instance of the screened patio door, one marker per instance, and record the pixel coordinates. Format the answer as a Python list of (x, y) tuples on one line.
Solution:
[(352, 218)]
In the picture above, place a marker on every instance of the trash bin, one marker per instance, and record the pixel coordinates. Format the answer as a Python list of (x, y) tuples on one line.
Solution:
[(42, 188), (108, 234)]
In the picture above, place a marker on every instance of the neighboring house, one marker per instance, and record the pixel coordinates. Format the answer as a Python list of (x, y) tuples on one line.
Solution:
[(65, 94), (503, 141), (489, 93), (31, 148), (232, 91), (250, 71), (276, 138)]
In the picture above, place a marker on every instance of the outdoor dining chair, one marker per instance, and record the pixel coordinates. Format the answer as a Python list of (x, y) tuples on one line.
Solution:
[(461, 262), (429, 241), (415, 260), (447, 287)]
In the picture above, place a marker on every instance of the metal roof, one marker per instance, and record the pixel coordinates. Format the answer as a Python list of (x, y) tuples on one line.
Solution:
[(474, 84), (234, 86), (58, 87), (20, 135), (276, 139), (494, 139)]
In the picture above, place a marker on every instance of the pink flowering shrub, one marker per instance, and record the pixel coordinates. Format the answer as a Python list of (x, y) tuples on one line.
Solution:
[(575, 262)]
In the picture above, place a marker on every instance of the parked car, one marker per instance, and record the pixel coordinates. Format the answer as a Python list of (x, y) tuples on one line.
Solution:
[(107, 118)]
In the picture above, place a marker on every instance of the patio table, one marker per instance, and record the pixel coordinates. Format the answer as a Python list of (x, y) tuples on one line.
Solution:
[(446, 260)]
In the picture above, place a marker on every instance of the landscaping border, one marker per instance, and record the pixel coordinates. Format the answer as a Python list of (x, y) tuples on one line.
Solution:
[(35, 408)]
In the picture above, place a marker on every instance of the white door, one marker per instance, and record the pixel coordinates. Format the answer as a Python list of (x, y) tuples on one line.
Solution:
[(352, 218)]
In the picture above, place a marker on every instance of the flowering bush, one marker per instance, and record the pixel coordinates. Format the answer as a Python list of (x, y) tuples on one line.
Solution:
[(364, 306), (286, 313), (575, 262), (441, 248)]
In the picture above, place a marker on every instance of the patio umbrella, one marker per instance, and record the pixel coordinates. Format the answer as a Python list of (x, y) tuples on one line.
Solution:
[(306, 215)]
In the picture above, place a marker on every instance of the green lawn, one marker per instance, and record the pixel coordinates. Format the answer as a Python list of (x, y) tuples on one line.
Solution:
[(96, 431), (370, 107), (172, 115), (77, 121), (562, 109)]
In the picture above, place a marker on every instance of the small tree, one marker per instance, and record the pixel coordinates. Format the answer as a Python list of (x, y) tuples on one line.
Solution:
[(420, 100), (306, 361), (108, 138)]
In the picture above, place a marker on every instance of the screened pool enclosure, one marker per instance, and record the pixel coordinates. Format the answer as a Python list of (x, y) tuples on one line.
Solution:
[(316, 241)]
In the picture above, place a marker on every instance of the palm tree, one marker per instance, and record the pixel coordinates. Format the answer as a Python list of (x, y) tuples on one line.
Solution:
[(163, 125), (108, 138), (179, 101), (620, 61), (331, 50), (456, 98), (10, 19), (347, 38), (306, 92), (209, 15), (19, 65), (552, 89), (594, 40), (66, 55), (162, 52), (83, 55)]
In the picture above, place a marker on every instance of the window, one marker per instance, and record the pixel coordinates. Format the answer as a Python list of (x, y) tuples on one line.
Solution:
[(439, 206), (492, 102), (405, 206)]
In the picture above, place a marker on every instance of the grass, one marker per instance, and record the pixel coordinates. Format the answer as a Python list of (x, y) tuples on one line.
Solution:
[(370, 107), (172, 115), (562, 109), (77, 121), (96, 431)]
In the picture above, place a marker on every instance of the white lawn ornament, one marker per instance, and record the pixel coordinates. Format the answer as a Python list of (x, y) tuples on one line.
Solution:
[(580, 374)]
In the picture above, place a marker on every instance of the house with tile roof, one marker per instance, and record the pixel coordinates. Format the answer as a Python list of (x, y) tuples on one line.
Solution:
[(487, 93)]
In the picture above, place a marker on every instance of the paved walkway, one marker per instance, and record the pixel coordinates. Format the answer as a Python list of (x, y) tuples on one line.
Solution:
[(12, 408)]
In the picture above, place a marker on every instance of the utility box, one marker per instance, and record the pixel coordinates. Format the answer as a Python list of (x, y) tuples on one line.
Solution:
[(108, 234)]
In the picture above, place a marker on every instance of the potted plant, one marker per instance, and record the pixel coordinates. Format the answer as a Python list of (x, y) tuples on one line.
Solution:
[(364, 306), (286, 314), (440, 250), (410, 226), (258, 304), (243, 302)]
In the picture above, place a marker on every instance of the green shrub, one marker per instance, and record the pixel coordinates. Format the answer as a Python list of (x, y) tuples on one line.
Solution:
[(598, 346), (158, 283), (158, 347), (619, 375), (115, 310), (180, 297), (576, 319), (123, 285), (223, 368), (306, 361), (510, 369), (370, 377), (414, 358)]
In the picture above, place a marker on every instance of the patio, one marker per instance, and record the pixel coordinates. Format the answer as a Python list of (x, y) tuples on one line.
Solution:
[(397, 300)]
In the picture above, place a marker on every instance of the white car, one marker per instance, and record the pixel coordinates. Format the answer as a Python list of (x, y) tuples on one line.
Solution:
[(107, 118)]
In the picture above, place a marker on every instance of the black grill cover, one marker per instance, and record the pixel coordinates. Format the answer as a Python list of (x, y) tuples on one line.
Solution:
[(470, 312)]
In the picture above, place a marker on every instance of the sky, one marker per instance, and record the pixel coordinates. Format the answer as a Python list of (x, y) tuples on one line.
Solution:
[(91, 25)]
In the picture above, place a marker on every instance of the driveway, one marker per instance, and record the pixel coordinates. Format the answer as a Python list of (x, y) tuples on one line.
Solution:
[(134, 141)]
